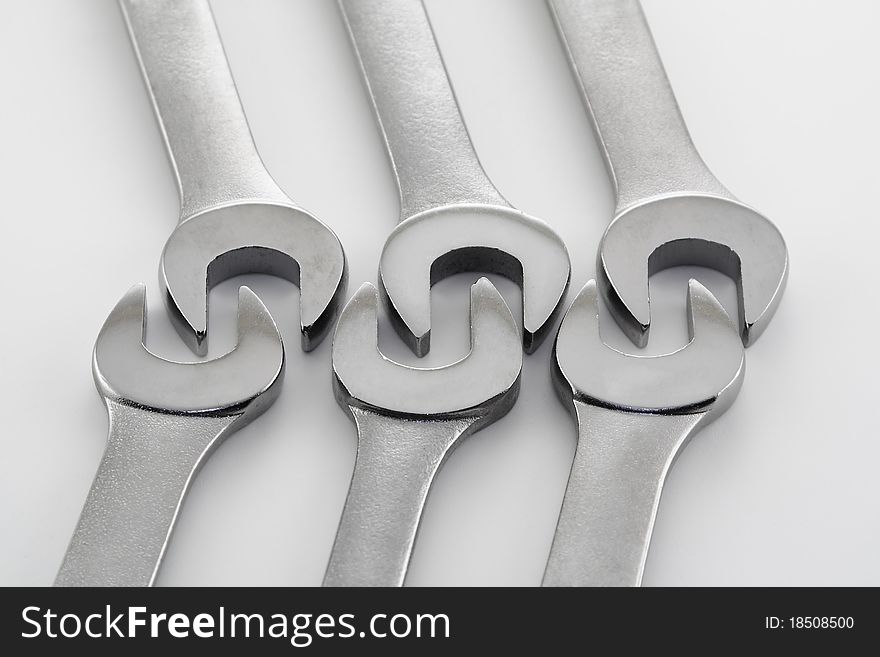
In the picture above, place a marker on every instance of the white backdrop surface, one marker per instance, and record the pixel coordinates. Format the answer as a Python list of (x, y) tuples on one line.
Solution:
[(782, 101)]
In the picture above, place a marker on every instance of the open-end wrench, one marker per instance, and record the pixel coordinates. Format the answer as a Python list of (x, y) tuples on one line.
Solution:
[(234, 219), (166, 418), (634, 415), (670, 209), (408, 422), (452, 219)]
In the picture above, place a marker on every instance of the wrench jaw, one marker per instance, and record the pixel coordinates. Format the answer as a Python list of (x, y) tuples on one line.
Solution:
[(241, 384), (707, 317), (430, 246), (258, 237), (692, 229), (482, 386), (589, 371)]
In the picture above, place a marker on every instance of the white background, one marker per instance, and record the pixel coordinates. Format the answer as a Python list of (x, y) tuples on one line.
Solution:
[(782, 101)]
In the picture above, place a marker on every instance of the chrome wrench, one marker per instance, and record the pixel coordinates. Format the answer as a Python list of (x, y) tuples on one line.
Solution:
[(408, 421), (671, 210), (634, 415), (452, 219), (166, 418), (234, 219)]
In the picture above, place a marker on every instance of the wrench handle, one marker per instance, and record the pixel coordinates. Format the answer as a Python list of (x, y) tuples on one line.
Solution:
[(431, 152), (613, 491), (209, 142), (397, 460), (131, 508), (645, 141)]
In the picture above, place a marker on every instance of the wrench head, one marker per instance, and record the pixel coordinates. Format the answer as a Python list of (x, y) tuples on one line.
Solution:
[(702, 377), (484, 384), (253, 238), (242, 383), (430, 246), (692, 229)]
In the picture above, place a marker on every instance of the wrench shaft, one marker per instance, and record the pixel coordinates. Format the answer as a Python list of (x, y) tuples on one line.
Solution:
[(197, 105), (136, 495), (613, 491), (431, 153), (397, 461), (646, 144)]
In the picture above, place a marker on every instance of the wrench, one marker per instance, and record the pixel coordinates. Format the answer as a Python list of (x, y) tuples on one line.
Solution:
[(634, 415), (234, 219), (166, 418), (670, 209), (452, 219), (408, 422)]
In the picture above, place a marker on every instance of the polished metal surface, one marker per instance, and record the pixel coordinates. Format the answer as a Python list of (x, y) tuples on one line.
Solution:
[(634, 415), (165, 419), (408, 422), (452, 219), (671, 210), (234, 219)]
